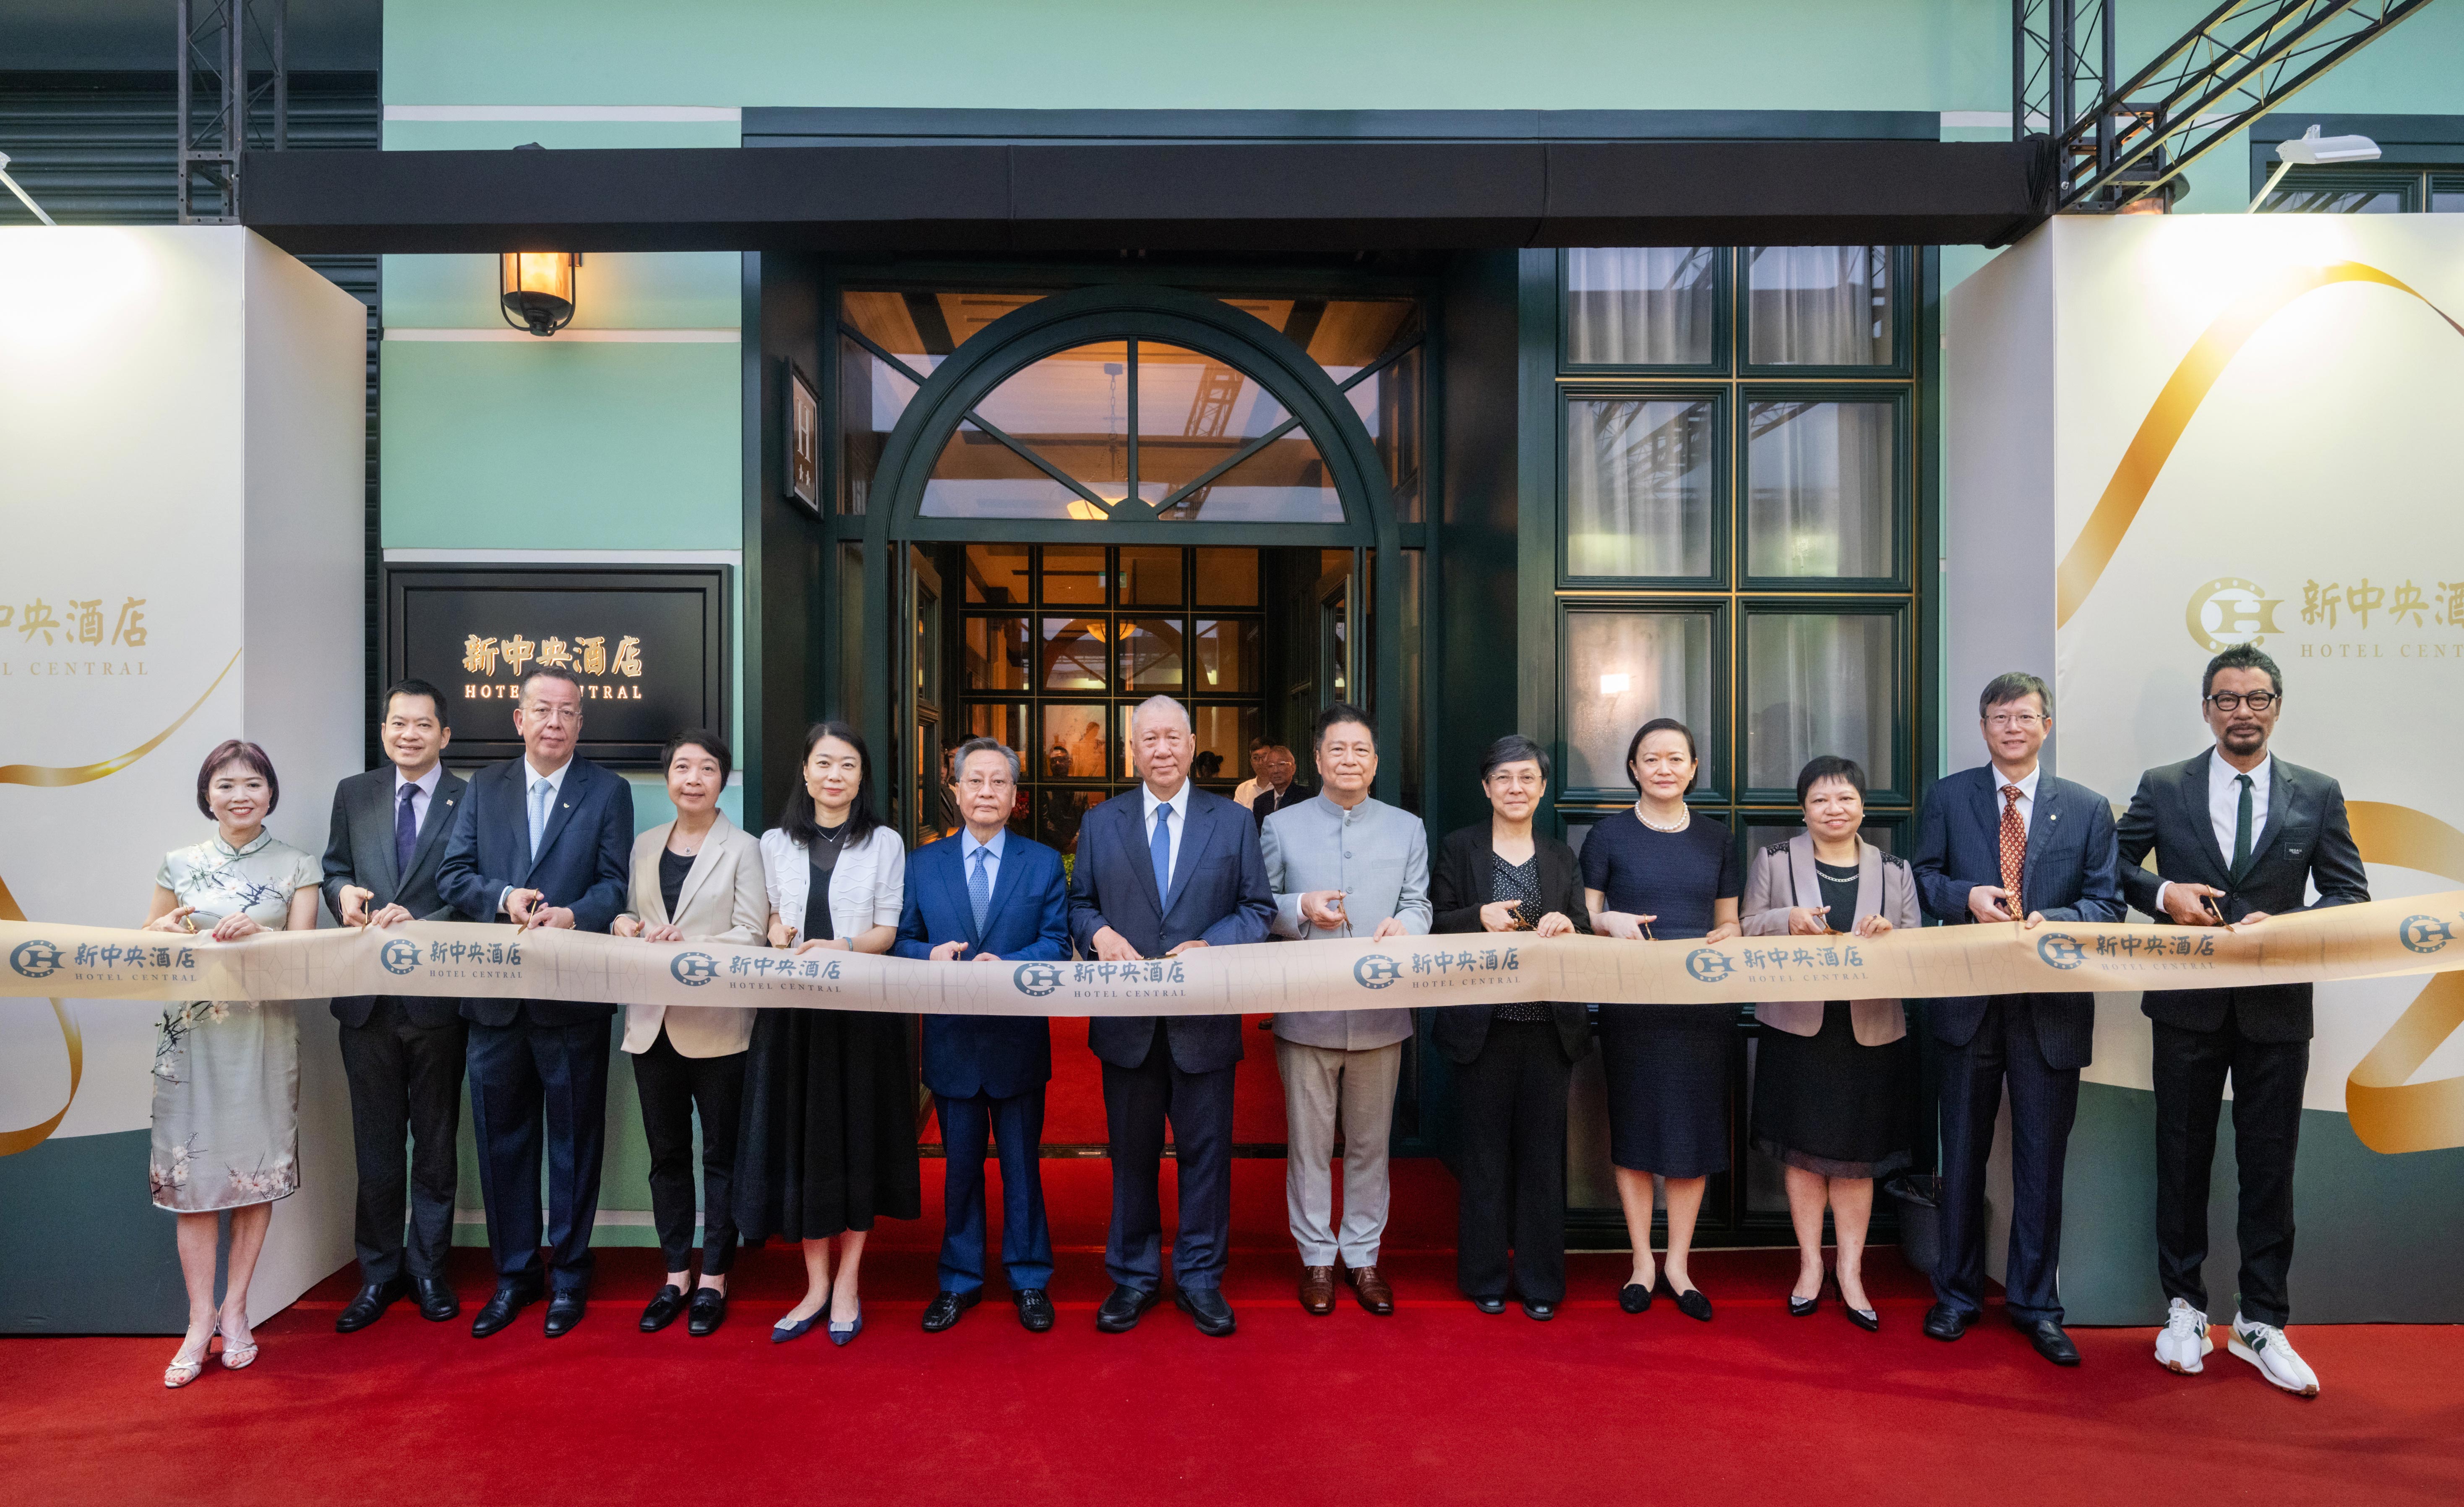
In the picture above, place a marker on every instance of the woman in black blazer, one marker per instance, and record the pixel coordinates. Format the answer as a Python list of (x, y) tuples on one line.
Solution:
[(1512, 1061)]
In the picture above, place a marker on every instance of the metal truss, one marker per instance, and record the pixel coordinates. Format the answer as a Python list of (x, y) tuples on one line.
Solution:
[(234, 96), (2117, 140)]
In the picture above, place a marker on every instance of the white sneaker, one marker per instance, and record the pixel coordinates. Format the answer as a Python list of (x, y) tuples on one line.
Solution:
[(2183, 1344), (2264, 1345)]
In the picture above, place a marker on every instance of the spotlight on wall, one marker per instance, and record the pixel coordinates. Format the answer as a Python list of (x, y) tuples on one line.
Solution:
[(23, 197), (537, 290), (2310, 149)]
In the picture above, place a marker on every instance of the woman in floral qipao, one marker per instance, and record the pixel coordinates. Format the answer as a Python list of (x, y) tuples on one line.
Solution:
[(227, 1072)]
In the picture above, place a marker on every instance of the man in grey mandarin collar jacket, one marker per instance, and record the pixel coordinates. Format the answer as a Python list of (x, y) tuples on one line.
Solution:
[(1342, 864)]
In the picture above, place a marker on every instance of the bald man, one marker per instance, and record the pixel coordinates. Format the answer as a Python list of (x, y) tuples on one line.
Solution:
[(1162, 870)]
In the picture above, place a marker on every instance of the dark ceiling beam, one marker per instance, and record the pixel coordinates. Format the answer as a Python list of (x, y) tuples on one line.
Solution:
[(1103, 196)]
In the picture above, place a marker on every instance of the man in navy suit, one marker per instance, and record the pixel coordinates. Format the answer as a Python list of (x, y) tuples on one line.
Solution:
[(542, 840), (1161, 870), (994, 896), (1996, 844)]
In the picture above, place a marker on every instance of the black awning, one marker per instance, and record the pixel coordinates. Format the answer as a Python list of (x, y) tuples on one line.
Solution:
[(1103, 195)]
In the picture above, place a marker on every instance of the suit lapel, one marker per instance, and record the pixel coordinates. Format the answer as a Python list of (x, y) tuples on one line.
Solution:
[(705, 859), (2047, 809), (1006, 880), (2281, 793), (950, 873), (1869, 880), (1194, 843), (2194, 810), (1138, 838), (434, 823), (1804, 885), (569, 793), (377, 806)]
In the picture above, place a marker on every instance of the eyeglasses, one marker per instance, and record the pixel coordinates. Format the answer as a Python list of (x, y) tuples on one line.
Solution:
[(2256, 700), (2001, 721)]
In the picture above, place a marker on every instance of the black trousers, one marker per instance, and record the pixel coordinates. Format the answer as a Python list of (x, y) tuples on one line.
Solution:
[(533, 1085), (672, 1086), (405, 1080), (2044, 1100), (1136, 1102), (2191, 1069), (1510, 1160)]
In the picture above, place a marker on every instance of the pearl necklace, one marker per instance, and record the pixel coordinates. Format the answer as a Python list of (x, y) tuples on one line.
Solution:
[(1656, 827)]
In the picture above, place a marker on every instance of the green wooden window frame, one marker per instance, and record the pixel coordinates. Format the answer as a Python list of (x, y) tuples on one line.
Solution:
[(1901, 367), (1902, 787), (1713, 784), (1901, 397), (1722, 396)]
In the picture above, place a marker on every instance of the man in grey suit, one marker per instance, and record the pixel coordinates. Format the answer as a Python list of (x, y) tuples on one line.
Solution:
[(401, 1055), (1343, 864)]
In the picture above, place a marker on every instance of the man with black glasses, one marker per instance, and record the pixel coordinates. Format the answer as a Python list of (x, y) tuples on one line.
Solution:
[(2240, 834)]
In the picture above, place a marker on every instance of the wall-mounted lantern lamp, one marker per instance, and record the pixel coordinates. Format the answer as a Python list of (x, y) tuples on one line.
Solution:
[(536, 289)]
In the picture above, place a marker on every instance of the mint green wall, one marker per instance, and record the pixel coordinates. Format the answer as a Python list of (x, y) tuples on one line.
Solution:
[(663, 290)]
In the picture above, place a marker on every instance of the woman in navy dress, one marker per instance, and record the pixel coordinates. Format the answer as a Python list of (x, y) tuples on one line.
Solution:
[(1664, 867)]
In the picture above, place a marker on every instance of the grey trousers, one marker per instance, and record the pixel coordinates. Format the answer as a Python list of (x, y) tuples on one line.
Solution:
[(1322, 1084)]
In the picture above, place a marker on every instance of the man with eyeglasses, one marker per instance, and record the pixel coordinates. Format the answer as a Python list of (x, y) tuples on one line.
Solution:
[(1996, 844), (2239, 835)]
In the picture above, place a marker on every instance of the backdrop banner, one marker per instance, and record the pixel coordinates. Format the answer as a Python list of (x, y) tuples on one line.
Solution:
[(2377, 940)]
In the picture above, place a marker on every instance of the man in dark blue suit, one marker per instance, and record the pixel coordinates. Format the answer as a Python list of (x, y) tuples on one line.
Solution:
[(542, 840), (1161, 870), (989, 895), (1996, 844)]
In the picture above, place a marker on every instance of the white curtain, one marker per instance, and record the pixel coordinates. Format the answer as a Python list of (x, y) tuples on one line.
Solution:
[(1818, 683), (1818, 305), (1640, 305), (1623, 669), (1639, 488), (1818, 489)]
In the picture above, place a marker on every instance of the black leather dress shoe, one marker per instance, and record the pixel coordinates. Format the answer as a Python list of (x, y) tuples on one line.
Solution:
[(1943, 1321), (944, 1309), (1034, 1309), (1206, 1305), (437, 1300), (664, 1310), (1489, 1305), (369, 1305), (1119, 1314), (564, 1310), (709, 1312), (1540, 1312), (507, 1300), (2049, 1340)]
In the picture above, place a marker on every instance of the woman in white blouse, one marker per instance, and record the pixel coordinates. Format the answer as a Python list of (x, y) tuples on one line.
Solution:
[(828, 1140)]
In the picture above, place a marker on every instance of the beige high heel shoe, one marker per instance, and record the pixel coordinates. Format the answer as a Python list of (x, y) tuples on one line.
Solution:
[(182, 1371), (236, 1357)]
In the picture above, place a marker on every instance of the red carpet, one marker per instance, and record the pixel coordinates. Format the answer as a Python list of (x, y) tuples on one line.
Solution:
[(1436, 1404)]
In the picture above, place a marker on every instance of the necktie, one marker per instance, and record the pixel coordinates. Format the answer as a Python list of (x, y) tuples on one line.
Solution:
[(979, 889), (1161, 848), (541, 792), (405, 833), (2014, 847), (2241, 830)]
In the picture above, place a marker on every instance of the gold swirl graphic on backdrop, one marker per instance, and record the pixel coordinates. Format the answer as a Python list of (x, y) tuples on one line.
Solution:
[(2178, 403), (2388, 1113), (52, 777)]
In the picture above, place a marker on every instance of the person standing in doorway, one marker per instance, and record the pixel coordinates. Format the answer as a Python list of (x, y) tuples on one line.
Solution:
[(1161, 870), (542, 840), (2239, 835), (1343, 864), (2008, 843), (401, 1055), (1279, 783)]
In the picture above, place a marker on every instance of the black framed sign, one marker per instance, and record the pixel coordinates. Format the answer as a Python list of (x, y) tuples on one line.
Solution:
[(648, 645), (804, 440)]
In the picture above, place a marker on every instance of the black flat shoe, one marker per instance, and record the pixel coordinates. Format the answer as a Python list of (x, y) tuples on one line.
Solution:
[(369, 1305), (1034, 1309), (1635, 1298), (1489, 1305), (437, 1301), (1207, 1306), (944, 1309), (1941, 1321), (1692, 1304), (2050, 1341), (503, 1304), (1120, 1312), (662, 1310), (564, 1310), (1540, 1313), (709, 1311)]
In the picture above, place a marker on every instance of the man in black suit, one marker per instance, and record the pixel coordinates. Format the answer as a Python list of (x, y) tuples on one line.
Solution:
[(2239, 835), (401, 1055), (542, 840), (1279, 783), (1995, 844), (1161, 870)]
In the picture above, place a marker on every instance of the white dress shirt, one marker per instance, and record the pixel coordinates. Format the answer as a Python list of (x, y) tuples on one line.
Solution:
[(2027, 794), (532, 780), (425, 786), (2224, 809), (1179, 803)]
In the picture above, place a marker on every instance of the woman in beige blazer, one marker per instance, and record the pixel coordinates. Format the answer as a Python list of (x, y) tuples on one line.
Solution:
[(696, 878), (1833, 1078)]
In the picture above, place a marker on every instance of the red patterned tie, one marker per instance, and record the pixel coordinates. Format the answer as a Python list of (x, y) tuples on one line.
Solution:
[(2014, 847)]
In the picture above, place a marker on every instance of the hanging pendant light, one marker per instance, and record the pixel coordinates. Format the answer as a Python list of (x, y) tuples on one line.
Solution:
[(536, 289)]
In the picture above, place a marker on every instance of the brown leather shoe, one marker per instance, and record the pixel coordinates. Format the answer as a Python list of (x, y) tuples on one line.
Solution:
[(1317, 1289), (1371, 1289)]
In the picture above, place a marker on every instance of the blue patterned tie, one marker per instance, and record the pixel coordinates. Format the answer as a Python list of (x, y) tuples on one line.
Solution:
[(979, 889), (405, 833), (1161, 848)]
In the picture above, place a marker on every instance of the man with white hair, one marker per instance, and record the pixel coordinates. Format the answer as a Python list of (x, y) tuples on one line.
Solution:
[(1161, 870)]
